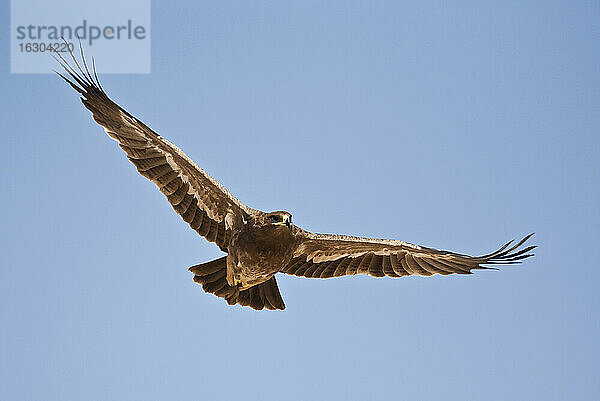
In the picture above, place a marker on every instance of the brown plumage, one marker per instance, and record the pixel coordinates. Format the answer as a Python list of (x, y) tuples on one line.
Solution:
[(258, 244)]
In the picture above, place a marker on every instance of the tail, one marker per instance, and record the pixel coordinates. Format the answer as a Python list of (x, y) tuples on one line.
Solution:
[(213, 278)]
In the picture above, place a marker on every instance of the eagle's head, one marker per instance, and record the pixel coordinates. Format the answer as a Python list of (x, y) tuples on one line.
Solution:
[(279, 218)]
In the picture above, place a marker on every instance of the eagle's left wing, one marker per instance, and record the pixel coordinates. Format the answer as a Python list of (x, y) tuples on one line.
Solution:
[(326, 255), (201, 201)]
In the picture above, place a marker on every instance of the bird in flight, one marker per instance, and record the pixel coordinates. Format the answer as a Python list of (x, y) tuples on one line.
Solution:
[(258, 244)]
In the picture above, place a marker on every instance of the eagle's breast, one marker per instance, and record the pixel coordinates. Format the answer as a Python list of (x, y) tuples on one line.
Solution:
[(261, 251)]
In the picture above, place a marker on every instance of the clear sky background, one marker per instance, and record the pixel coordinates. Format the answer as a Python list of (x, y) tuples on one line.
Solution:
[(457, 126)]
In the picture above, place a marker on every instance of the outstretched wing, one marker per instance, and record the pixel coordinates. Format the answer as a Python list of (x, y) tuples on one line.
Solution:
[(201, 201), (325, 256)]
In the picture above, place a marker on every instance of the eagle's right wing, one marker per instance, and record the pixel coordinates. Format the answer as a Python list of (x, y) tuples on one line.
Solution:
[(327, 255), (201, 201)]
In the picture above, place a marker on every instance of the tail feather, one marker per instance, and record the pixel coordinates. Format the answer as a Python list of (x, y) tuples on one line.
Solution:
[(212, 276), (207, 268)]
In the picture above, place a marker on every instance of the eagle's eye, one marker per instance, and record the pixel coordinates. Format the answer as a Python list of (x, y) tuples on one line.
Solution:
[(276, 218)]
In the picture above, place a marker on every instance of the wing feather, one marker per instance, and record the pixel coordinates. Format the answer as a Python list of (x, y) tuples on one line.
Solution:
[(386, 263), (427, 267), (363, 267), (395, 259), (407, 267), (342, 268), (353, 265), (376, 266)]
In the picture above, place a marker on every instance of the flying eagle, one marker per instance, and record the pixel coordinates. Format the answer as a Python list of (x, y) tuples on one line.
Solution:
[(258, 244)]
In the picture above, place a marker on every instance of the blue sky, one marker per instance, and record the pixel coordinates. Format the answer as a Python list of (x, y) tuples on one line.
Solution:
[(456, 126)]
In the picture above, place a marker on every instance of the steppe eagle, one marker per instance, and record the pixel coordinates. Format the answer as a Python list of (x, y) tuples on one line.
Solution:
[(258, 244)]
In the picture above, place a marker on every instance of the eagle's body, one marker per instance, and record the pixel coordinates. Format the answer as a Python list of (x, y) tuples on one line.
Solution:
[(258, 244), (259, 250)]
